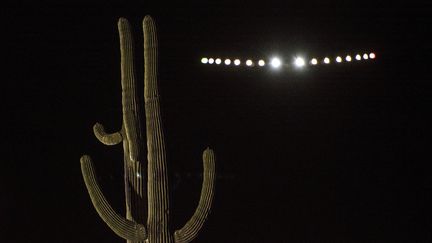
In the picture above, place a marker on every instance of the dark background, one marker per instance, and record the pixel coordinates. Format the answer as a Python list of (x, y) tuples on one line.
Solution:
[(334, 153)]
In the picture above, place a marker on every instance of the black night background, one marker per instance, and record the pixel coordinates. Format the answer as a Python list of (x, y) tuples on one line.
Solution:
[(336, 153)]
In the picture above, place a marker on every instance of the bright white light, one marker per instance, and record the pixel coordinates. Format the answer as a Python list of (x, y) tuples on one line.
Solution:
[(236, 62), (204, 60), (372, 55), (299, 62), (338, 59), (218, 61), (348, 58), (210, 60), (358, 57), (365, 56), (276, 62), (314, 61), (227, 61), (326, 60), (249, 63), (261, 63), (138, 174)]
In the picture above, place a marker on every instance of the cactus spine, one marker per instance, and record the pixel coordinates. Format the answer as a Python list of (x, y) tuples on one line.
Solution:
[(147, 207)]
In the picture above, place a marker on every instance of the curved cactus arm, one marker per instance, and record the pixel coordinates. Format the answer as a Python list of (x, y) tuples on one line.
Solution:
[(124, 228), (105, 138), (192, 227)]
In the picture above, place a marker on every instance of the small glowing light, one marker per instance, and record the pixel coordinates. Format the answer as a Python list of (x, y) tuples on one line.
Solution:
[(358, 57), (372, 55), (314, 61), (365, 56), (276, 62), (210, 60), (326, 60), (218, 61), (236, 62), (249, 63), (261, 63), (348, 58), (204, 60), (299, 62), (138, 174), (338, 59), (227, 61)]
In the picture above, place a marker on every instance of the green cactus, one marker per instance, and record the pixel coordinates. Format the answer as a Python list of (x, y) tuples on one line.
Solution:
[(147, 211)]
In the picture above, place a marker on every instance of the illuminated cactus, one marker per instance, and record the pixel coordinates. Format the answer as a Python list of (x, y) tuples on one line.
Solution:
[(147, 211)]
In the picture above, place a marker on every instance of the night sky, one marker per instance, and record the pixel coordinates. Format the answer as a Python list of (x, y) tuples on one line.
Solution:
[(329, 153)]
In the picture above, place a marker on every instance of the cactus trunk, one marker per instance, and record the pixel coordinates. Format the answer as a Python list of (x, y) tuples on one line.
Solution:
[(157, 182), (147, 205)]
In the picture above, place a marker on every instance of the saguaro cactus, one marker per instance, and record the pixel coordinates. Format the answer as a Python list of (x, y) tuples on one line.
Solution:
[(147, 208)]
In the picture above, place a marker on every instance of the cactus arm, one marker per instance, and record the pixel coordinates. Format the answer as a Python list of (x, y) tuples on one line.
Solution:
[(130, 100), (105, 138), (124, 228), (192, 227)]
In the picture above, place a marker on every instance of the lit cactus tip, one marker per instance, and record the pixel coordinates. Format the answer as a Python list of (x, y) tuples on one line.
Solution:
[(148, 19), (208, 155)]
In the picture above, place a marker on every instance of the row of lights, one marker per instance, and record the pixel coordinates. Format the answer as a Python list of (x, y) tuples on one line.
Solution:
[(348, 58), (276, 62), (227, 61)]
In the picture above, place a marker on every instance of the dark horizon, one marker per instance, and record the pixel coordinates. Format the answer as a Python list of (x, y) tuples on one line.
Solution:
[(329, 153)]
